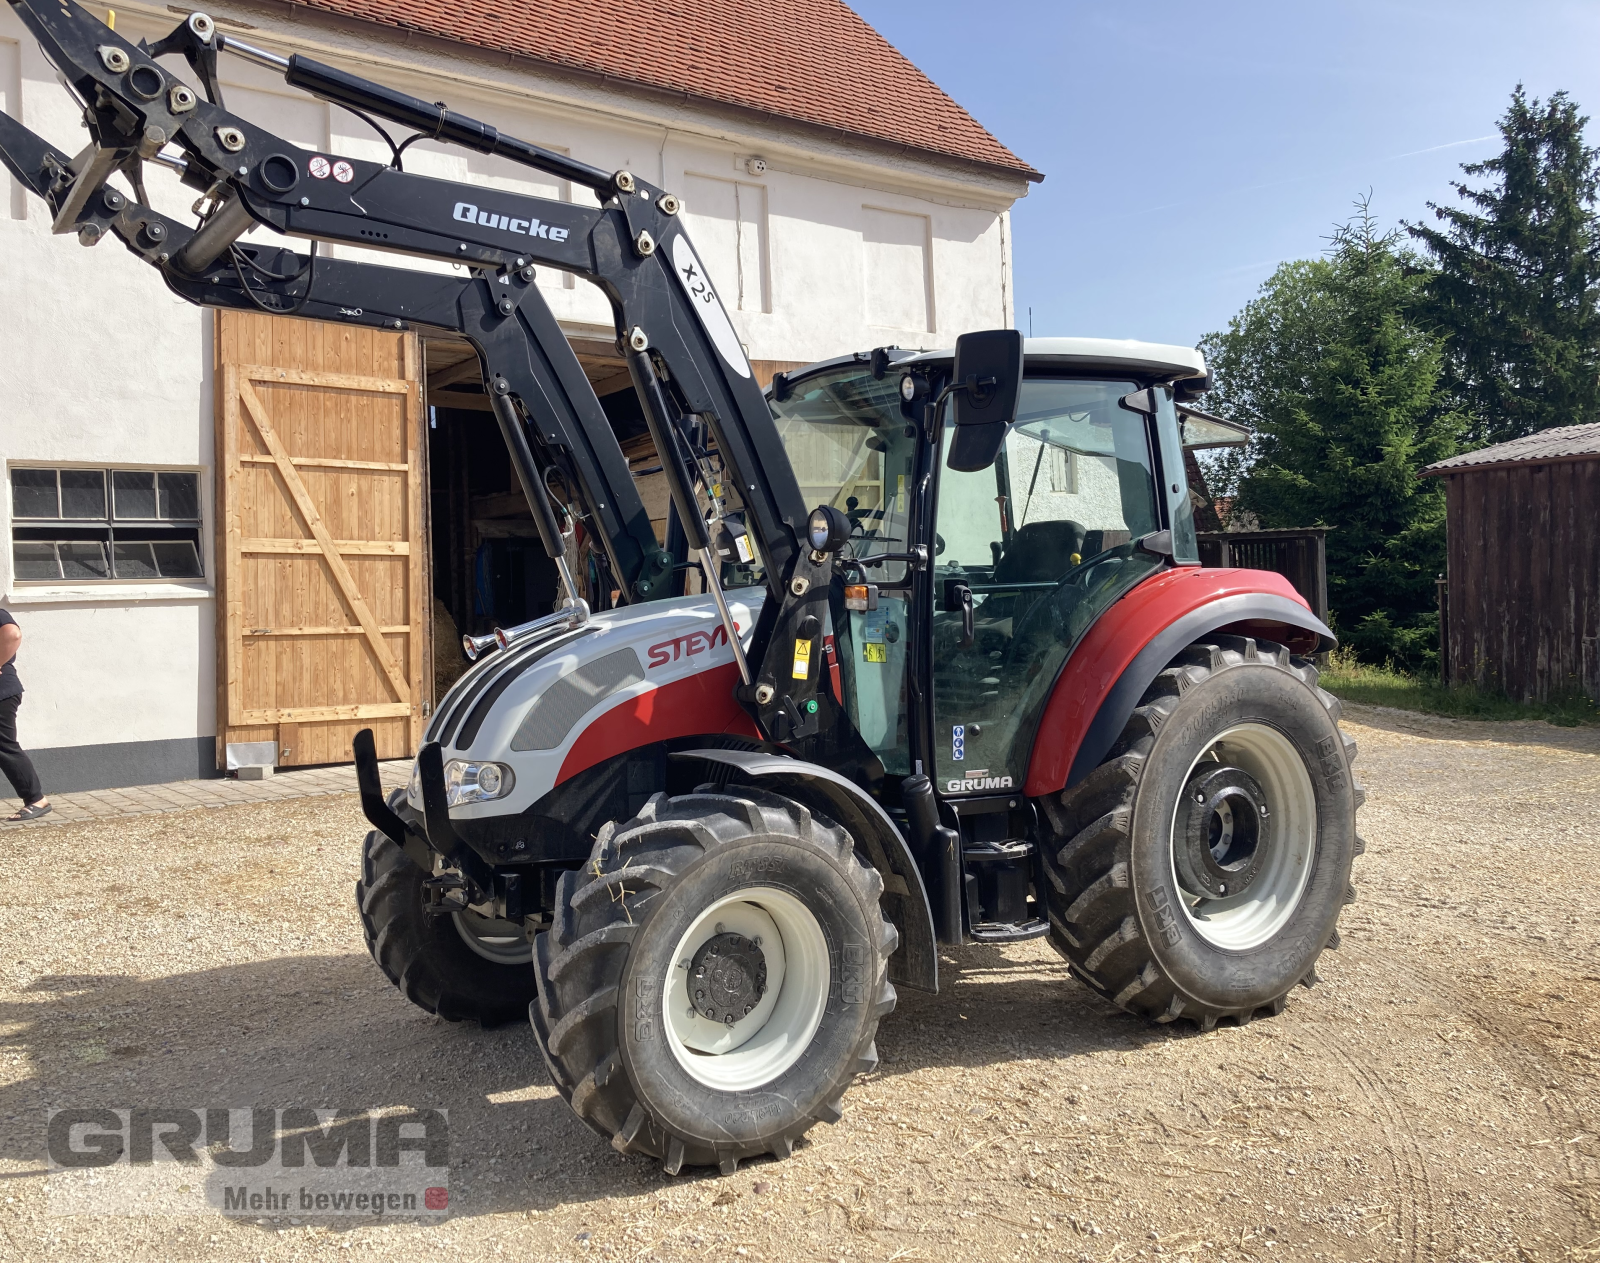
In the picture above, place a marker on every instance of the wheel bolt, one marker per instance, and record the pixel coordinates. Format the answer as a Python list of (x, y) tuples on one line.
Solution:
[(699, 995)]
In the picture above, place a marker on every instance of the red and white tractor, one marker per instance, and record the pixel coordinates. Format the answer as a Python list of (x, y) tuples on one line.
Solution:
[(953, 672)]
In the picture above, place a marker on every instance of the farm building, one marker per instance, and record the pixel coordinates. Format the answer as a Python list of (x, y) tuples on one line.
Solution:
[(175, 600), (1520, 604)]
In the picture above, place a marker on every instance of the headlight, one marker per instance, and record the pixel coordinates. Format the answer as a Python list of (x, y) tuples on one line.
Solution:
[(476, 782), (465, 783)]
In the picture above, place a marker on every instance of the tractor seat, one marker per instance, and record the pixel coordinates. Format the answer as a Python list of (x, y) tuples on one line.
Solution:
[(1041, 552)]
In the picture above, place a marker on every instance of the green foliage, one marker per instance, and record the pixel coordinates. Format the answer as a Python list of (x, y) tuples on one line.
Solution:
[(1348, 678), (1517, 269), (1342, 384)]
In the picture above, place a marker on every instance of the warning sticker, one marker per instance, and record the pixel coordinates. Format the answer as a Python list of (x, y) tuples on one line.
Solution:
[(741, 545), (958, 742), (319, 167), (874, 652), (343, 172), (802, 659)]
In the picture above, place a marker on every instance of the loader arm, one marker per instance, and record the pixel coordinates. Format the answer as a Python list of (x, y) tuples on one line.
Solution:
[(685, 358), (567, 433)]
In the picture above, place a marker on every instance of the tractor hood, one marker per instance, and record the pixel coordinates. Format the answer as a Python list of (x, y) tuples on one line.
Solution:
[(627, 678)]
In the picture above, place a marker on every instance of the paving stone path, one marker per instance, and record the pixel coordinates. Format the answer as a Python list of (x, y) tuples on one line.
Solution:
[(220, 791)]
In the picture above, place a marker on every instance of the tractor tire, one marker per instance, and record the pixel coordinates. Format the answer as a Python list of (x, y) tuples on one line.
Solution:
[(1200, 870), (769, 907), (447, 965)]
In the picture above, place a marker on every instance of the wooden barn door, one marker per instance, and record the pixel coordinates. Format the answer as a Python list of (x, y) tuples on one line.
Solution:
[(323, 616)]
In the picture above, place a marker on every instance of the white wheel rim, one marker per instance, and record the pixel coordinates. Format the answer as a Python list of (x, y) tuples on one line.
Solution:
[(1239, 923), (498, 941), (764, 1043)]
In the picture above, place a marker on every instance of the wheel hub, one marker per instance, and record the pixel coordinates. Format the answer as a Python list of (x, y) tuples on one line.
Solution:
[(1226, 833), (727, 978)]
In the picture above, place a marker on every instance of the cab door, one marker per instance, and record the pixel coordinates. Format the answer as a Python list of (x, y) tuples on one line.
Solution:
[(1026, 556)]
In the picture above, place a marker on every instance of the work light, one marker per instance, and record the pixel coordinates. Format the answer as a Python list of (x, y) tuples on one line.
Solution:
[(828, 529)]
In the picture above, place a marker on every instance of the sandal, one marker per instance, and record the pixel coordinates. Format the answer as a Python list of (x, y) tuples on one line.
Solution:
[(33, 812)]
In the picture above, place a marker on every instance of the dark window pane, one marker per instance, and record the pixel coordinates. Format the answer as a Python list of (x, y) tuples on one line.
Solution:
[(83, 493), (35, 560), (134, 492), (33, 493), (180, 497), (177, 559), (134, 561), (80, 560)]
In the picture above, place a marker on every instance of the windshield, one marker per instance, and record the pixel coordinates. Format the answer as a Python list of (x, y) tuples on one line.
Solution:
[(846, 440)]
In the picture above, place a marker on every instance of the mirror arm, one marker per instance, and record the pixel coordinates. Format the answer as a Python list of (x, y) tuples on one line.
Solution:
[(916, 558)]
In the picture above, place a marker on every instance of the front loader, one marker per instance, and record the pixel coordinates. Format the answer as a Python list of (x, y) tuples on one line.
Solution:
[(981, 692)]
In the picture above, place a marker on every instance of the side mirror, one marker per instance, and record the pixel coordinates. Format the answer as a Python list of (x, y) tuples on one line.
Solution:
[(986, 387)]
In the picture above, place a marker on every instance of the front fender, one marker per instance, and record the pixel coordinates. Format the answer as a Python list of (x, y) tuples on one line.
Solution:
[(1132, 643), (905, 899)]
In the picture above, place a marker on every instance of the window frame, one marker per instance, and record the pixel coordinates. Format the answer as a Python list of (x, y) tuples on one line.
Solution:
[(108, 529)]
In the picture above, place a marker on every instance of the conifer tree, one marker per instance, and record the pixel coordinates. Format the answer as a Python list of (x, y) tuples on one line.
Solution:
[(1343, 387), (1516, 269)]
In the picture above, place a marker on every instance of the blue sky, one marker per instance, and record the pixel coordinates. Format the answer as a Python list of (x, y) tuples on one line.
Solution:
[(1190, 148)]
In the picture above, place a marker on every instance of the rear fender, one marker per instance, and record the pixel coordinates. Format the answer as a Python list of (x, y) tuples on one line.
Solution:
[(905, 900), (1134, 641)]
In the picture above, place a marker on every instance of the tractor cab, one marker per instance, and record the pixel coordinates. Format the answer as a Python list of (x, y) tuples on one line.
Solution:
[(960, 592)]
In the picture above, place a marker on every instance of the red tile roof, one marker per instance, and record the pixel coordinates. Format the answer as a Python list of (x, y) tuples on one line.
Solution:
[(814, 61)]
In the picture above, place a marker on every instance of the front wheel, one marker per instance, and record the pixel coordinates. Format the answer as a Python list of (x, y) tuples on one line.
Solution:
[(463, 967), (714, 978), (1200, 870)]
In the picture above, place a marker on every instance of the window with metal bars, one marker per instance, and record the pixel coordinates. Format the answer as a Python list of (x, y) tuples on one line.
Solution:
[(104, 525)]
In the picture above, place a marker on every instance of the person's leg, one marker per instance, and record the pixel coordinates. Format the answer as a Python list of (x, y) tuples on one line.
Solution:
[(14, 760)]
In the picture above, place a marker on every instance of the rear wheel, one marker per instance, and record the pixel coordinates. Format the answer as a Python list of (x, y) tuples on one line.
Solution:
[(464, 967), (1200, 870), (714, 978)]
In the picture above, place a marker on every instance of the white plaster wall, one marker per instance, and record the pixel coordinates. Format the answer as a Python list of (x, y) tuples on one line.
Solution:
[(103, 672), (99, 363)]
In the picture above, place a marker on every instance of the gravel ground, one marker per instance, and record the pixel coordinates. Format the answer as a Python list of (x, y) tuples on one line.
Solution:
[(1437, 1096)]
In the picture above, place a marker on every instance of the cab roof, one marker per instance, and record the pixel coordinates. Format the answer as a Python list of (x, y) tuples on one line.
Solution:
[(1114, 354)]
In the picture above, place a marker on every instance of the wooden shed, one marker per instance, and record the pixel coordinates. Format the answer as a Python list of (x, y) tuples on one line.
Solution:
[(1520, 603)]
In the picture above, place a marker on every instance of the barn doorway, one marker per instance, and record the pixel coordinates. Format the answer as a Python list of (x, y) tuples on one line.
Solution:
[(488, 565)]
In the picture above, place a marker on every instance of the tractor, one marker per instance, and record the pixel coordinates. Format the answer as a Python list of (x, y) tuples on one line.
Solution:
[(928, 659)]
